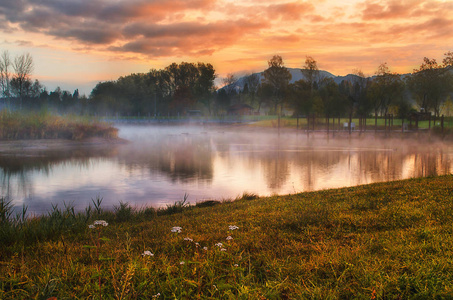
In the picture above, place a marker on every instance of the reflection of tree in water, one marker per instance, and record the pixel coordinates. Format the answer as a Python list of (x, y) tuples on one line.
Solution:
[(431, 163), (276, 170), (350, 164), (182, 157), (257, 150), (16, 168), (318, 163)]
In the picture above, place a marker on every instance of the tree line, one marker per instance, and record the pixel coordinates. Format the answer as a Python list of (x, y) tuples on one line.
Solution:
[(428, 88), (179, 89)]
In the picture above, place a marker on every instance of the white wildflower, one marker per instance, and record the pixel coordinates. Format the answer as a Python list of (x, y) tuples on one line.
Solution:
[(156, 295), (229, 238), (223, 249), (176, 229), (205, 248), (233, 227), (147, 253), (101, 222), (197, 244), (219, 244), (181, 262), (236, 265), (91, 226), (188, 239)]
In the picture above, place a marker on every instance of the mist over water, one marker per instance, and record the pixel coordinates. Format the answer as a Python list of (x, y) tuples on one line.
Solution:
[(162, 163)]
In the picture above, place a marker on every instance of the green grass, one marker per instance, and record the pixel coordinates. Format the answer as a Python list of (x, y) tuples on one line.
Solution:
[(380, 241), (321, 123), (27, 125)]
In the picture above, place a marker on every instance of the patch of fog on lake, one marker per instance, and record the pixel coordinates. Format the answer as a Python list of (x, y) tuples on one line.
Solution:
[(163, 163)]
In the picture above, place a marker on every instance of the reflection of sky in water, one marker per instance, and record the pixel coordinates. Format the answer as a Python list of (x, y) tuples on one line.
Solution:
[(164, 163)]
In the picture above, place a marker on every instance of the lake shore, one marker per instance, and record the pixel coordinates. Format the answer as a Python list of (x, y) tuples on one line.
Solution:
[(385, 240)]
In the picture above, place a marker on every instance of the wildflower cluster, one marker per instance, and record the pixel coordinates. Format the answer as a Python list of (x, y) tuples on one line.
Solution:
[(98, 223), (176, 229), (233, 227), (147, 253)]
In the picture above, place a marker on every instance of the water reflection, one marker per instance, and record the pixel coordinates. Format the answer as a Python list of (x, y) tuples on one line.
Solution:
[(161, 164), (183, 158)]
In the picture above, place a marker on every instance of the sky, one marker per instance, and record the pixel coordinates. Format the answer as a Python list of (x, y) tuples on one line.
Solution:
[(77, 43)]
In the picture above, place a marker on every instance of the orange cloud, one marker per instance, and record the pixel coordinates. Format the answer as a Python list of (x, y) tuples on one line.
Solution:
[(289, 11), (237, 34)]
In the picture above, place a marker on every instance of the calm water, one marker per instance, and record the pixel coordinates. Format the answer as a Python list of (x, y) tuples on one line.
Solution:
[(161, 164)]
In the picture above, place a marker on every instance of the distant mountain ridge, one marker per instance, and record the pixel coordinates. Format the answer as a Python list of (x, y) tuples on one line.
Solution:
[(297, 74)]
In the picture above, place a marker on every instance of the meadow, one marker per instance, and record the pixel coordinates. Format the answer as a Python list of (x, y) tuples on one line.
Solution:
[(16, 125), (381, 241)]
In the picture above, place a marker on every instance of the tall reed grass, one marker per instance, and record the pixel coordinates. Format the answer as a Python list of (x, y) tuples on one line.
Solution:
[(43, 125)]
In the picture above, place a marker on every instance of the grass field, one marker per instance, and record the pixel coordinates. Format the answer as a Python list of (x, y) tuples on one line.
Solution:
[(380, 241)]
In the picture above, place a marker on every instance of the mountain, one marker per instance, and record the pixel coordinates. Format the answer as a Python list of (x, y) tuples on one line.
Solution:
[(296, 75)]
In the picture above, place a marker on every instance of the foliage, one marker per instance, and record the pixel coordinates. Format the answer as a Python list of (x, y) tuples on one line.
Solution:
[(277, 78), (431, 84), (381, 241)]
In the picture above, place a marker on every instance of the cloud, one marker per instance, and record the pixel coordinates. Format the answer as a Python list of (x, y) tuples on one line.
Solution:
[(164, 29), (91, 33), (135, 26), (396, 9), (185, 37), (289, 11)]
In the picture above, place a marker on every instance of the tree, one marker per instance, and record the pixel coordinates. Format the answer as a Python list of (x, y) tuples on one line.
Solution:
[(386, 88), (250, 90), (361, 101), (331, 98), (277, 77), (228, 83), (299, 95), (204, 87), (5, 73), (430, 85), (311, 73), (448, 60), (23, 67)]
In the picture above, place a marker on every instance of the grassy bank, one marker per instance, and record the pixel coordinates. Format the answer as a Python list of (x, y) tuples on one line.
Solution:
[(22, 125), (381, 241)]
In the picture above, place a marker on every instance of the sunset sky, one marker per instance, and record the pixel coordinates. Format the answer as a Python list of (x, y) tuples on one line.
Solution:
[(77, 43)]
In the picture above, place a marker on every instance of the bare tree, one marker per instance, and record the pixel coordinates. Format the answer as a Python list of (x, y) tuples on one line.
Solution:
[(23, 67), (228, 83), (5, 73)]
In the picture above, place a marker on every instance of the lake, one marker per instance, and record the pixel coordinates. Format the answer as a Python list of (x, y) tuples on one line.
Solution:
[(161, 164)]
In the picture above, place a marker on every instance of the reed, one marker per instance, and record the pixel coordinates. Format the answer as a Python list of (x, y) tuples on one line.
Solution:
[(43, 125), (381, 241)]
